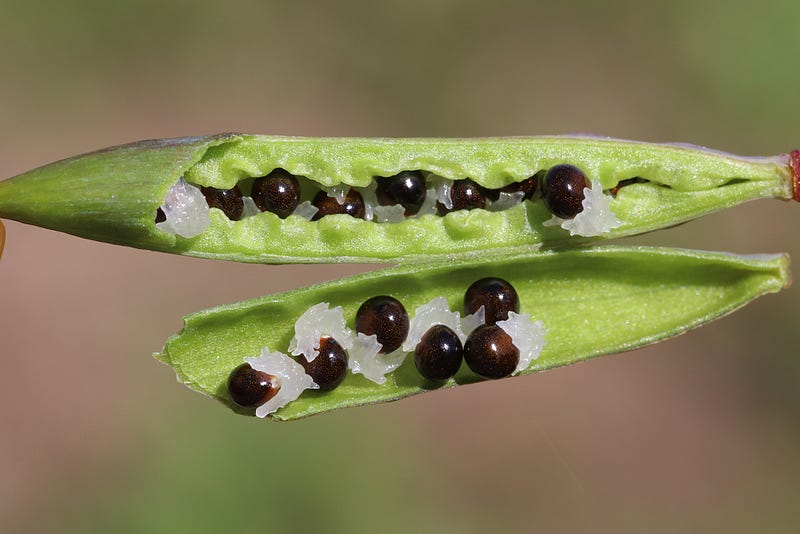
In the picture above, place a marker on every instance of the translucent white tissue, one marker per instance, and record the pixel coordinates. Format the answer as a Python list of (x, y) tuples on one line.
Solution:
[(292, 379), (436, 312), (317, 322), (596, 217), (249, 208), (366, 360), (305, 210), (528, 336), (186, 211)]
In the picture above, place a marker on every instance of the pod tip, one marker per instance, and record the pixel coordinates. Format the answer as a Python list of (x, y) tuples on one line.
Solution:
[(794, 164)]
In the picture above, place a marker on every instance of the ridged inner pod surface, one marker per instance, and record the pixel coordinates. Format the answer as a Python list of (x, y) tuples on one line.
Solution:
[(592, 301), (113, 195)]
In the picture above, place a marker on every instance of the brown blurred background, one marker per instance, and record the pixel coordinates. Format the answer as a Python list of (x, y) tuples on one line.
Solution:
[(698, 434)]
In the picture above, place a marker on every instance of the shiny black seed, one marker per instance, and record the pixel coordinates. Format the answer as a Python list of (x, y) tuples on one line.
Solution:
[(353, 205), (277, 192), (329, 368), (160, 216), (527, 187), (490, 352), (407, 189), (248, 387), (228, 200), (497, 297), (386, 318), (562, 190), (438, 355), (466, 195)]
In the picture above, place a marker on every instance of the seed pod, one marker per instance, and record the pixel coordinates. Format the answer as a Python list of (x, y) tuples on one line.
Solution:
[(581, 296), (113, 195)]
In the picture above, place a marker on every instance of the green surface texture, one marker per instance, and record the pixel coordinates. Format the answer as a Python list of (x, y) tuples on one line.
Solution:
[(112, 195), (592, 301)]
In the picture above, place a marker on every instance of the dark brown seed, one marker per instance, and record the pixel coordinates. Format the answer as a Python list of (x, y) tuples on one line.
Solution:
[(160, 215), (490, 353), (438, 355), (527, 187), (353, 205), (497, 297), (278, 192), (228, 200), (248, 387), (623, 183), (329, 367), (406, 188), (562, 190), (386, 318), (466, 195)]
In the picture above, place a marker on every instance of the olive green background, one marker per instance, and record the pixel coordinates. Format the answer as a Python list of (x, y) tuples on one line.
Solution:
[(698, 434)]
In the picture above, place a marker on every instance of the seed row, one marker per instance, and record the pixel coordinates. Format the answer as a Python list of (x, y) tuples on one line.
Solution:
[(395, 198), (493, 338)]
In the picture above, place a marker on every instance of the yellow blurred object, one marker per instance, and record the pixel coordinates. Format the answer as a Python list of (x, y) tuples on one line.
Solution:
[(2, 237)]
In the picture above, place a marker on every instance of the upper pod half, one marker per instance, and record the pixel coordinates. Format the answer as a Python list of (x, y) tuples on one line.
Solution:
[(272, 199)]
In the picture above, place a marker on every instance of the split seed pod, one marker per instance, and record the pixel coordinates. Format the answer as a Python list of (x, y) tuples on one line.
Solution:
[(582, 296), (114, 195)]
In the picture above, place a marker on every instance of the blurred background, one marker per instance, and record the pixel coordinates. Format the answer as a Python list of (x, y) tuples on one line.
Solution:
[(697, 434)]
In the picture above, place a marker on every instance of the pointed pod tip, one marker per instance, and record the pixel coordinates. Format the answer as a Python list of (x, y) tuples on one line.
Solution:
[(794, 164)]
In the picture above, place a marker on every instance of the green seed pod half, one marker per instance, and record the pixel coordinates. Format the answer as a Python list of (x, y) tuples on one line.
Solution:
[(115, 195), (591, 302)]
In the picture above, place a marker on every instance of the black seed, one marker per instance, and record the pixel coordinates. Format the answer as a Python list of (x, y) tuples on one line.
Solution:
[(248, 387), (438, 355), (386, 317), (562, 190), (528, 187), (490, 352), (353, 205), (497, 297), (228, 200), (329, 367), (160, 216), (466, 195), (277, 192), (406, 189)]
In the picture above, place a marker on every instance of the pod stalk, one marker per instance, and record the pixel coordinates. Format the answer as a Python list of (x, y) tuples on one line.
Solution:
[(794, 164)]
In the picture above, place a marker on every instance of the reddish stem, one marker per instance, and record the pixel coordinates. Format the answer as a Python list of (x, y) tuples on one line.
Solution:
[(794, 164), (2, 237)]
